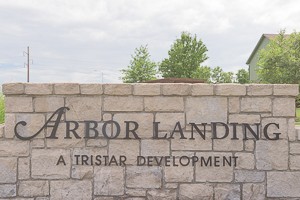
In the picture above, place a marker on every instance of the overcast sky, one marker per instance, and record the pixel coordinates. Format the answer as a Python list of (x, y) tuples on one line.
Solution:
[(85, 41)]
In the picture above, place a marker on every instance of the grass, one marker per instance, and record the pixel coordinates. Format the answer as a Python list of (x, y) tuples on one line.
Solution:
[(1, 109), (298, 116)]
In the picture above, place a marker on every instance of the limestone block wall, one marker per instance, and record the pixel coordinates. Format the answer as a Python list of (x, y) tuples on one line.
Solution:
[(67, 167)]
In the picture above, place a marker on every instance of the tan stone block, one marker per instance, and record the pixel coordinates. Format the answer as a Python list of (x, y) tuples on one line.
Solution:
[(155, 148), (259, 90), (179, 173), (202, 89), (284, 107), (117, 103), (143, 177), (71, 190), (8, 170), (48, 104), (176, 89), (23, 168), (245, 161), (109, 180), (107, 116), (249, 145), (283, 184), (2, 130), (213, 173), (171, 185), (227, 191), (14, 148), (104, 198), (8, 190), (146, 89), (295, 148), (84, 108), (82, 172), (256, 104), (196, 191), (44, 164), (13, 88), (33, 188), (244, 118), (161, 194), (249, 176), (99, 142), (169, 120), (183, 153), (34, 122), (42, 198), (18, 104), (295, 162), (117, 89), (38, 88), (291, 130), (144, 120), (230, 89), (136, 192), (10, 122), (254, 191), (187, 144), (92, 89), (160, 103), (66, 88), (206, 109), (37, 143), (234, 104), (286, 89), (128, 148), (89, 151), (227, 144), (283, 127), (271, 155)]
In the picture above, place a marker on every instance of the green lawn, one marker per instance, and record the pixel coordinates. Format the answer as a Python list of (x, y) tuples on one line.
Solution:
[(298, 116), (1, 109)]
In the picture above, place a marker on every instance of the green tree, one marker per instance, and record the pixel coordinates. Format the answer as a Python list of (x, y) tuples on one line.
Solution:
[(279, 62), (203, 73), (185, 56), (242, 76), (219, 76), (141, 68)]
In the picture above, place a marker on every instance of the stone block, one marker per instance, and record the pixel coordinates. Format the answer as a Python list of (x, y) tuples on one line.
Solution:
[(244, 118), (195, 191), (71, 190), (295, 162), (44, 164), (33, 188), (159, 103), (227, 144), (128, 148), (34, 123), (10, 122), (249, 145), (99, 142), (179, 173), (271, 155), (136, 192), (284, 107), (48, 104), (91, 89), (286, 89), (13, 88), (155, 148), (259, 90), (161, 195), (283, 127), (23, 168), (206, 109), (245, 161), (230, 89), (8, 170), (295, 148), (118, 103), (213, 173), (14, 148), (254, 191), (145, 89), (249, 176), (201, 89), (227, 191), (171, 185), (37, 143), (2, 127), (8, 190), (78, 152), (283, 184), (18, 104), (169, 120), (109, 180), (234, 104), (118, 89), (66, 88), (291, 130), (84, 108), (82, 172), (182, 89), (187, 144), (38, 88), (256, 104), (143, 177)]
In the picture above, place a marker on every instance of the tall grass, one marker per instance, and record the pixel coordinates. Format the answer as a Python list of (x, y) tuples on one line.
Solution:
[(1, 109)]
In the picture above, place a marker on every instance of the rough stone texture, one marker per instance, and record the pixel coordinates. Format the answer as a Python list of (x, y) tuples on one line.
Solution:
[(89, 152), (18, 104), (176, 89), (70, 190), (109, 180), (66, 88), (179, 173), (33, 188), (149, 176), (43, 164), (234, 105), (48, 104), (256, 104), (136, 192), (91, 89), (14, 148), (201, 89), (128, 103), (284, 107), (259, 90), (291, 130), (2, 127), (286, 89), (155, 148), (206, 109), (283, 184), (10, 122), (249, 145), (13, 88), (230, 89), (117, 89), (283, 127), (295, 148), (40, 89), (169, 120), (34, 123), (271, 155), (8, 190), (253, 191), (295, 162), (245, 161), (227, 144), (130, 148), (244, 118), (195, 191), (186, 144), (164, 103), (8, 170), (23, 168), (249, 176), (82, 172), (161, 195), (146, 89), (227, 191)]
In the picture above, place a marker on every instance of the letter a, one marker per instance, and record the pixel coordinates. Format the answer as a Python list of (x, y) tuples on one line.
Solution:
[(61, 160)]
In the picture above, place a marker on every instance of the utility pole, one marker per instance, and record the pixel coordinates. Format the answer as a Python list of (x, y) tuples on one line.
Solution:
[(27, 64)]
